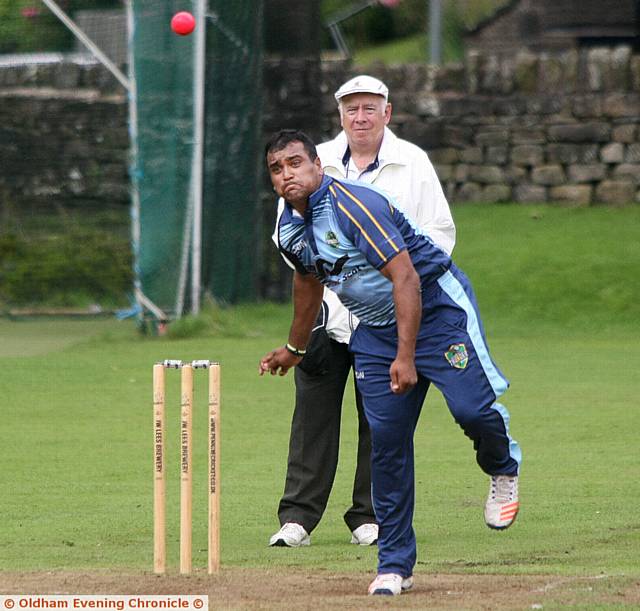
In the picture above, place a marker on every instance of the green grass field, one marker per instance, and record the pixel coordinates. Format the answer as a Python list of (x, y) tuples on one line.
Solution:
[(561, 301)]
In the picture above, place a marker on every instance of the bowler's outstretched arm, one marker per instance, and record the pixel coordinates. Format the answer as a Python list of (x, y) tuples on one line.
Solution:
[(307, 299)]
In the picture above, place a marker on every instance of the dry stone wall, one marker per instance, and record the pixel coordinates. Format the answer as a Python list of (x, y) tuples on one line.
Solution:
[(528, 128), (63, 135), (531, 128)]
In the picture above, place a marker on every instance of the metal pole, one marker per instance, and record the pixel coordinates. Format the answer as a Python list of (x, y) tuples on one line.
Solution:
[(87, 42), (198, 154), (133, 155), (435, 32), (351, 11), (338, 39), (185, 253), (334, 24)]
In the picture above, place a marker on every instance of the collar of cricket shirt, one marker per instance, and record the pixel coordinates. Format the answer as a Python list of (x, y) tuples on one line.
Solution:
[(387, 154), (321, 191)]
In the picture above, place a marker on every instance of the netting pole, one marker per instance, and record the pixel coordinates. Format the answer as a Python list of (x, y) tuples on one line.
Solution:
[(87, 42), (198, 153), (133, 160), (141, 299), (435, 32), (185, 253)]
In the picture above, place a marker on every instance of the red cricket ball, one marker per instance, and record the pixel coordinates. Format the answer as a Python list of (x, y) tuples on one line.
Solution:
[(183, 23), (389, 3)]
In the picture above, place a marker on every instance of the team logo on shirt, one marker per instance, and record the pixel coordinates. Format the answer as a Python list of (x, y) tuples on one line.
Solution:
[(457, 356), (331, 239)]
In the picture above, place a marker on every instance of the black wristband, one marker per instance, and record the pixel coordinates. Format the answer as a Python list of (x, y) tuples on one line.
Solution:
[(295, 351)]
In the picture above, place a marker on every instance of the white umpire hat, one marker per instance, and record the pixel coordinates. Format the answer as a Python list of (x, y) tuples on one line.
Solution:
[(362, 84)]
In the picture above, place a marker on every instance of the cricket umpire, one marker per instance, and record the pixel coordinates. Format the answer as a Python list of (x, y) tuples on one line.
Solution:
[(366, 150)]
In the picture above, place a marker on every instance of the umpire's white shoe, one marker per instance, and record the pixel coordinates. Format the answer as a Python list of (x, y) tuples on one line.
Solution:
[(290, 535), (390, 584), (366, 534), (502, 503)]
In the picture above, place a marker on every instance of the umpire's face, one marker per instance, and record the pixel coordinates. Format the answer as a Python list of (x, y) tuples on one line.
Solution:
[(293, 175), (363, 117)]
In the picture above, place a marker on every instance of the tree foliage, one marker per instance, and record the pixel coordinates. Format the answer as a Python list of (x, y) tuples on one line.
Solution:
[(378, 24), (29, 26)]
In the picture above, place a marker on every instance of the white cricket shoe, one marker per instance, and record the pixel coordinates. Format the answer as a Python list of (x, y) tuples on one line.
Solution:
[(290, 535), (367, 534), (502, 503), (390, 584)]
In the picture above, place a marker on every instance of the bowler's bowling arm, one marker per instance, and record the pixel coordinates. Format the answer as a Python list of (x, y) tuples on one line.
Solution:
[(408, 304), (307, 299)]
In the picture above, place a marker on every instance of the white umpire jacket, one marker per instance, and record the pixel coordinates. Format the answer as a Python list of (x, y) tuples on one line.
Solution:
[(405, 172)]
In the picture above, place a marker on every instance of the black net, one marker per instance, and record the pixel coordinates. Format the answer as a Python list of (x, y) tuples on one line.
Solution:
[(233, 137)]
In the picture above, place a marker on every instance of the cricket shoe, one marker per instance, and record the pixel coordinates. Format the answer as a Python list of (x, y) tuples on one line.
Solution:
[(502, 504), (390, 584), (367, 534), (290, 535)]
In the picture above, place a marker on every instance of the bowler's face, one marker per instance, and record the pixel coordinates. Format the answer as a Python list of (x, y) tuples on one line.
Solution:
[(363, 117), (293, 175)]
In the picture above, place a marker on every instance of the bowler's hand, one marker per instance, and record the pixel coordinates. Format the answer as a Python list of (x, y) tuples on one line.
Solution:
[(278, 361), (403, 375)]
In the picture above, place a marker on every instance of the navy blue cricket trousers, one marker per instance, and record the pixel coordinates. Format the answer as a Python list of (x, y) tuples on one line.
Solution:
[(451, 352)]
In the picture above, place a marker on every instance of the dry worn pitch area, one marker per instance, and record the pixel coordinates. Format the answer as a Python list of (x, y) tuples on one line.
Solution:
[(295, 589)]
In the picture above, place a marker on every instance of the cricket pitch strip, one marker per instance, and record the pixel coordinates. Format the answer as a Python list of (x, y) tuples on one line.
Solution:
[(278, 588)]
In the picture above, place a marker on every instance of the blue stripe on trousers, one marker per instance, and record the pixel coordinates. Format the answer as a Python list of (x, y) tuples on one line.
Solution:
[(450, 317)]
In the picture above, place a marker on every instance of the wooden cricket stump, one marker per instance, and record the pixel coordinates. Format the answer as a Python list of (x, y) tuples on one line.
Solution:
[(186, 464)]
